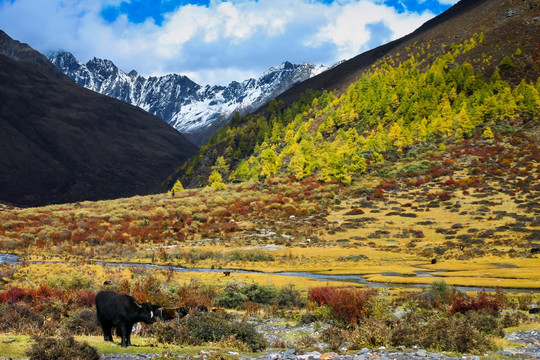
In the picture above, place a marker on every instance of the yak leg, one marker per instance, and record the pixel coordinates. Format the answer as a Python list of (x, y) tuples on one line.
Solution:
[(124, 333), (129, 328), (107, 331)]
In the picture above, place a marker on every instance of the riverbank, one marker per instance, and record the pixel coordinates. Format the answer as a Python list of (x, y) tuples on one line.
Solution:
[(527, 347), (353, 279)]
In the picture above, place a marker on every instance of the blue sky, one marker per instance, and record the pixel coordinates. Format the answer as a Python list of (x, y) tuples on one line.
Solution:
[(213, 41)]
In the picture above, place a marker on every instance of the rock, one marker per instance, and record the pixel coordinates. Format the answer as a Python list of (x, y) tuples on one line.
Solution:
[(421, 353), (511, 13), (273, 356), (289, 352), (313, 355), (363, 351), (327, 356), (8, 340), (233, 353)]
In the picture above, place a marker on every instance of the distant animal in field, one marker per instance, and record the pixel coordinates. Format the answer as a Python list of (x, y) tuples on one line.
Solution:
[(535, 251), (227, 273), (170, 313), (433, 261), (217, 310), (534, 311), (121, 311)]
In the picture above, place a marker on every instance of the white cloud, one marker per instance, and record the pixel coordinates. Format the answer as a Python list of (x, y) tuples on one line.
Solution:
[(348, 29), (216, 44), (447, 2)]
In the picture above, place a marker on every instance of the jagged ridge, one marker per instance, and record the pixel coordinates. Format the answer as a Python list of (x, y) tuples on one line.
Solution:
[(195, 110)]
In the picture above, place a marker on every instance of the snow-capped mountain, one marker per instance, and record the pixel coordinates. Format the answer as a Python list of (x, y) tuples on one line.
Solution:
[(192, 109)]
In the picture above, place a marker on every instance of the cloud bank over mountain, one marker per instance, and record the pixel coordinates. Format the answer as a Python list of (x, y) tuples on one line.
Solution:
[(213, 42)]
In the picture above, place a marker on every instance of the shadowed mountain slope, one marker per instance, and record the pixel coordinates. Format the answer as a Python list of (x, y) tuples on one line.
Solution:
[(63, 143)]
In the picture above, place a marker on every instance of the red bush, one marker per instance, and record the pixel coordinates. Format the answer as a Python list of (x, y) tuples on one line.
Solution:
[(44, 295), (444, 196), (350, 305), (482, 301), (388, 186)]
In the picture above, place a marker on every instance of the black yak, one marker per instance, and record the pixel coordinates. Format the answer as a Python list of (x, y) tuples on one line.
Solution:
[(121, 312)]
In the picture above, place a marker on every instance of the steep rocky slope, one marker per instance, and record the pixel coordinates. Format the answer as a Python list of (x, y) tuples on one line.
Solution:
[(63, 143)]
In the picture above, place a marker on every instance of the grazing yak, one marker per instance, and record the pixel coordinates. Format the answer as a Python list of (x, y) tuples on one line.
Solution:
[(121, 312), (170, 313)]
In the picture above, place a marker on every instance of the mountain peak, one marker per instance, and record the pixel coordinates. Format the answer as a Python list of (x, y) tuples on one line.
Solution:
[(18, 51), (193, 110)]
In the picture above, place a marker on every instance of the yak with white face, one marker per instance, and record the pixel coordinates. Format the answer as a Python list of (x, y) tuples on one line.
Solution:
[(121, 312)]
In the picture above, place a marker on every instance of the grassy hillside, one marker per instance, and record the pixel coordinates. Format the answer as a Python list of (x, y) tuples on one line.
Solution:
[(453, 75)]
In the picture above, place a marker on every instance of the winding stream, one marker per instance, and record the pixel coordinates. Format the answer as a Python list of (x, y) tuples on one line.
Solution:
[(356, 279)]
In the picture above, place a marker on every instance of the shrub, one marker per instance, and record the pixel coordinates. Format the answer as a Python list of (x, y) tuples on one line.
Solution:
[(453, 333), (45, 348), (194, 294), (334, 337), (69, 282), (354, 258), (202, 327), (83, 322), (349, 305), (514, 319), (441, 291), (18, 318), (236, 294), (290, 296), (232, 297), (317, 313), (444, 196), (246, 333), (169, 332), (237, 255), (482, 301), (373, 333), (261, 294), (486, 322)]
